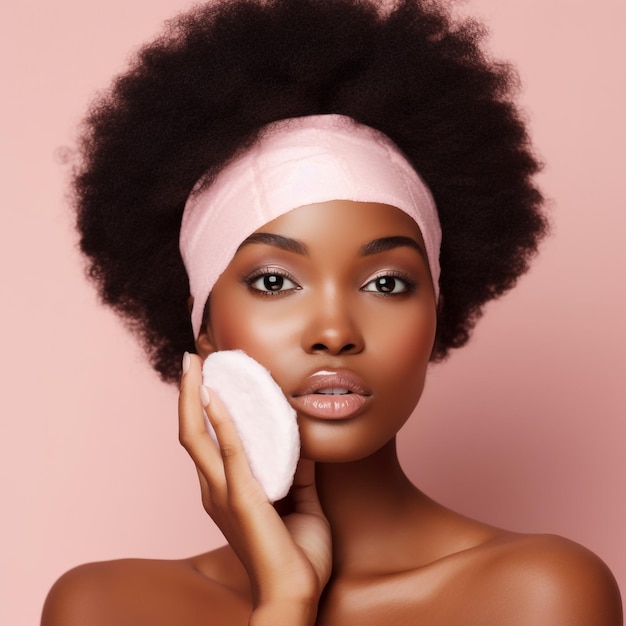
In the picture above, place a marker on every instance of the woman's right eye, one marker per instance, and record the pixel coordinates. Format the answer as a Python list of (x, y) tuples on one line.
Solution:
[(272, 283)]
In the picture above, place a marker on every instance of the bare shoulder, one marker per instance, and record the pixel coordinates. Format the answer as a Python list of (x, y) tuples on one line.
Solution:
[(544, 579), (143, 591)]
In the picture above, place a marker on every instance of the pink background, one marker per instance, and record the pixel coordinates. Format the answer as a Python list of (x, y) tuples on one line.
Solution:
[(525, 428)]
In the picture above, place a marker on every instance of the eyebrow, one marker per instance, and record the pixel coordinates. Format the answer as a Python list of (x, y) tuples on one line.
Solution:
[(278, 241), (383, 244), (376, 246)]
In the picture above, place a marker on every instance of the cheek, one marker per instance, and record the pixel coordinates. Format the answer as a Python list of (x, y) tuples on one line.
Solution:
[(407, 335), (403, 353), (254, 327)]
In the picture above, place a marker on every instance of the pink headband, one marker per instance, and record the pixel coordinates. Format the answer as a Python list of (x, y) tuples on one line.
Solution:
[(296, 162)]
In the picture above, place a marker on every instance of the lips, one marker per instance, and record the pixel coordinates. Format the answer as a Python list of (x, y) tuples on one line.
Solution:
[(331, 395)]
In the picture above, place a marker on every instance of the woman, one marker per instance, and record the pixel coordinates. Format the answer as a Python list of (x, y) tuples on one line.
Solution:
[(343, 289)]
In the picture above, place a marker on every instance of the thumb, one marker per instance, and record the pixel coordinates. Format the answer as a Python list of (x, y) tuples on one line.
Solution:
[(304, 492)]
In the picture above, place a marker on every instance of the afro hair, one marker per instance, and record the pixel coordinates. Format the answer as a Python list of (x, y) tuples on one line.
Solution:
[(199, 94)]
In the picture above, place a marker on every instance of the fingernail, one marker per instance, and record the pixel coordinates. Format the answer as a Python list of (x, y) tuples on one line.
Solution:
[(186, 362), (204, 395)]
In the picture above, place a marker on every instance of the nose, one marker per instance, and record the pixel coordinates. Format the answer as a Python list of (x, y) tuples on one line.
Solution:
[(332, 328)]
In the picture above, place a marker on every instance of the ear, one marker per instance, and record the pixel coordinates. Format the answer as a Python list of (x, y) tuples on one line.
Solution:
[(438, 318), (204, 344), (204, 341)]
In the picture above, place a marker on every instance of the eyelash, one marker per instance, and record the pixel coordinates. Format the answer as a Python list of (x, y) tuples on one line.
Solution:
[(410, 285), (270, 271)]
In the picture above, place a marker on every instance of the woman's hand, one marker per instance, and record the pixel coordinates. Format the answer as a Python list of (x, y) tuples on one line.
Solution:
[(288, 559)]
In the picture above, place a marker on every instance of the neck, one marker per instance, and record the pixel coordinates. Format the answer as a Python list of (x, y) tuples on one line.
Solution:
[(363, 500)]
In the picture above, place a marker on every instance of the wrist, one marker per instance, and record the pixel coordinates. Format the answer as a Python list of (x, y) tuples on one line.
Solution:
[(284, 613)]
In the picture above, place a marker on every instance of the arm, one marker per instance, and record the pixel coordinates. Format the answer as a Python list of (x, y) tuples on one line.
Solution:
[(288, 560)]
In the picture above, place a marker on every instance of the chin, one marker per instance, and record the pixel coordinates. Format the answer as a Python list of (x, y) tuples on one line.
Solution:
[(340, 447)]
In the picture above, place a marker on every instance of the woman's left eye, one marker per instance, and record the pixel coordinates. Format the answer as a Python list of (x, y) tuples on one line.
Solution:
[(388, 284)]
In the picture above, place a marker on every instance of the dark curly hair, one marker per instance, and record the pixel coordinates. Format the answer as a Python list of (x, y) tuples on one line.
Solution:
[(198, 95)]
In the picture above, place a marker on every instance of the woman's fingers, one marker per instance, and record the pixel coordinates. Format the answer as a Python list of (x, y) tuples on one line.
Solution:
[(224, 466), (237, 471), (303, 492), (192, 431)]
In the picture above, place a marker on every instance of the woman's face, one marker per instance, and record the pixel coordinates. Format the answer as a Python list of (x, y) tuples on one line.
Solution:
[(336, 301)]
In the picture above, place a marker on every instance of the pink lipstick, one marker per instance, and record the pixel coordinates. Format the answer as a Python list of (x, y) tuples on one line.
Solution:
[(331, 395)]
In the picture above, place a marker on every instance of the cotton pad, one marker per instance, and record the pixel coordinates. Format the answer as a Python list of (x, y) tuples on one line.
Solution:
[(265, 421)]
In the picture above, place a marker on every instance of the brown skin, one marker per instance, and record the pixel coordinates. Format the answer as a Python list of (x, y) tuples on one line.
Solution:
[(357, 543)]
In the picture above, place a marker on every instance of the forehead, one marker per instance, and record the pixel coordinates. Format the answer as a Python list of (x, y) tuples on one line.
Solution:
[(342, 223)]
